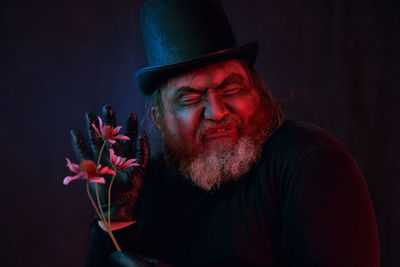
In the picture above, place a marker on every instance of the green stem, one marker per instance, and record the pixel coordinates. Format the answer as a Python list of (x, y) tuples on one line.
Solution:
[(106, 222), (109, 198), (109, 214), (92, 201), (113, 239), (103, 217), (101, 152), (101, 214), (107, 225)]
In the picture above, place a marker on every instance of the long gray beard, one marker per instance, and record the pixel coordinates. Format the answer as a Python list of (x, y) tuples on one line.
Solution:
[(210, 170)]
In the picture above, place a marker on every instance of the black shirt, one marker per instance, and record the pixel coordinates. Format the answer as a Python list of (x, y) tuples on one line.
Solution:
[(303, 203)]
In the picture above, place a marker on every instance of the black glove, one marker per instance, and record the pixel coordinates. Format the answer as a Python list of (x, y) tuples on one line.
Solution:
[(127, 184), (121, 259)]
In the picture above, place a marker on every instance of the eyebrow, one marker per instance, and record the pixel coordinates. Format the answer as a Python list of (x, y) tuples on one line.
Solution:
[(231, 78)]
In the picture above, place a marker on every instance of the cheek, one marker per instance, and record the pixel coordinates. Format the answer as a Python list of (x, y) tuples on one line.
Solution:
[(183, 123), (245, 107)]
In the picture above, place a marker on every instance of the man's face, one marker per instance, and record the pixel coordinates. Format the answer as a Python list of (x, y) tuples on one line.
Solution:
[(209, 110), (211, 95)]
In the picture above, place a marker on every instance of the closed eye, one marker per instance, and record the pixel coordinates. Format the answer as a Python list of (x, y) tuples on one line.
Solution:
[(190, 99), (230, 91)]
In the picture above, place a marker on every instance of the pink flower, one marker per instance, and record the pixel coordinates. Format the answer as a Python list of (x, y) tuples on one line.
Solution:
[(87, 170), (108, 132), (120, 162)]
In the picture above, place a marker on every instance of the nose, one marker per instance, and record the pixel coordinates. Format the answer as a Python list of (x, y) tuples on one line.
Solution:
[(215, 107)]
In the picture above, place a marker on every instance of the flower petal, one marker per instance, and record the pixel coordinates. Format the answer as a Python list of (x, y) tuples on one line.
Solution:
[(130, 161), (120, 160), (111, 140), (131, 165), (112, 154), (124, 166), (106, 170), (103, 132), (121, 137), (113, 158), (116, 130), (72, 166), (100, 123), (97, 179), (96, 129), (68, 179)]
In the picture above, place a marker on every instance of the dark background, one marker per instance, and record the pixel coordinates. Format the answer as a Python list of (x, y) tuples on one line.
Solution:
[(60, 59)]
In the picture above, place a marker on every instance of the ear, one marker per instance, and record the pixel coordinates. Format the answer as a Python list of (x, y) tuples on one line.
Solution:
[(156, 115)]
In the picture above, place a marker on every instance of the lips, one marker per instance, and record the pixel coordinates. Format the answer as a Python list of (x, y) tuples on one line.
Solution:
[(221, 131)]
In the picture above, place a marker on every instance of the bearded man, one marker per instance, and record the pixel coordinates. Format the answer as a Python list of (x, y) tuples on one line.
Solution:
[(236, 185), (215, 122)]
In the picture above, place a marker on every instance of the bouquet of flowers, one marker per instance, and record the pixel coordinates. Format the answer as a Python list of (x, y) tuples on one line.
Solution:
[(93, 172)]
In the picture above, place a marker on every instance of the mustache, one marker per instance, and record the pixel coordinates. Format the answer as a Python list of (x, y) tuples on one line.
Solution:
[(206, 125)]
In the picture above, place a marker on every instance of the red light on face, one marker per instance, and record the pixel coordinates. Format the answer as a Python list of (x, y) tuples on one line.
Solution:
[(210, 105)]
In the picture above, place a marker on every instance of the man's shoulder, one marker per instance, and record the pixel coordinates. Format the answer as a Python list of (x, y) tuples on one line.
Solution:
[(298, 139)]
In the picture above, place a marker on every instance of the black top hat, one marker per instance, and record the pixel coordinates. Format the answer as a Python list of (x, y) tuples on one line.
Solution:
[(180, 35)]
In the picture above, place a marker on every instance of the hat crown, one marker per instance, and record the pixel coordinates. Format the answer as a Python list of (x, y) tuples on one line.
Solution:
[(176, 31)]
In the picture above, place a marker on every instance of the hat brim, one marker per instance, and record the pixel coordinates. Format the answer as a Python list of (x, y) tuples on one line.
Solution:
[(150, 78)]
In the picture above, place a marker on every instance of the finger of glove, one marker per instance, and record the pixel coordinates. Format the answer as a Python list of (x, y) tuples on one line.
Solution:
[(95, 140), (109, 115), (132, 133), (79, 146), (143, 151)]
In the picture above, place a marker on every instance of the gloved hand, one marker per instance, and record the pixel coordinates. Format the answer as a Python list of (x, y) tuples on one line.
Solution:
[(127, 184), (121, 259)]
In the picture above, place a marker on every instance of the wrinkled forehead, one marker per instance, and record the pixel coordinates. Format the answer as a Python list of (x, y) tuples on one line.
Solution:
[(209, 76)]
